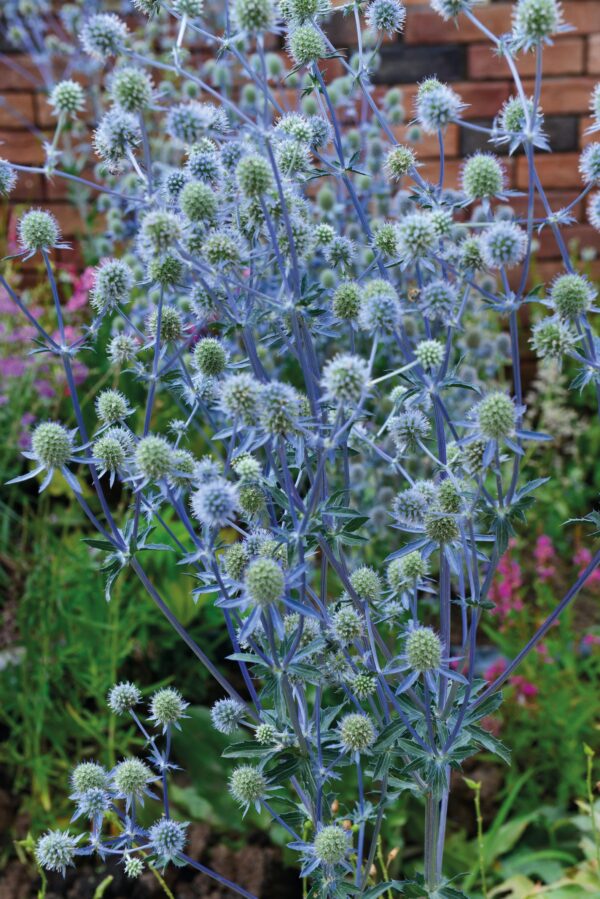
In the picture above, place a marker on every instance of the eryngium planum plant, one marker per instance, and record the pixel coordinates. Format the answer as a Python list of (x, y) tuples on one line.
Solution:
[(330, 333)]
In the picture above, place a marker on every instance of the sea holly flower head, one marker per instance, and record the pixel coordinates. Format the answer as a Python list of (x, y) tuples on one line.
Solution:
[(167, 839), (55, 850), (167, 707)]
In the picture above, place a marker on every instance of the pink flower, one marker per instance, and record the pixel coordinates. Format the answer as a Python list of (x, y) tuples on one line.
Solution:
[(544, 553), (591, 640), (494, 670), (583, 557)]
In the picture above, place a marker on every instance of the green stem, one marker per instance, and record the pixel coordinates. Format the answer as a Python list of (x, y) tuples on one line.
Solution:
[(589, 757)]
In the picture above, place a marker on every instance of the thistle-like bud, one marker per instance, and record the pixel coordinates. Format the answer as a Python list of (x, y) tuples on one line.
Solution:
[(482, 176), (131, 778), (134, 866), (198, 202), (226, 715), (305, 45), (264, 581), (357, 732), (55, 850), (253, 15), (104, 35), (347, 625), (123, 697), (167, 839), (132, 89), (364, 685), (551, 338), (496, 416), (254, 176), (345, 378), (504, 244), (247, 785), (51, 444), (154, 457), (111, 406), (210, 357), (8, 178), (67, 98), (441, 528), (423, 649), (88, 776), (214, 503), (571, 295), (430, 353), (167, 706), (366, 583), (346, 300), (386, 16), (235, 558), (331, 845), (113, 280), (38, 230)]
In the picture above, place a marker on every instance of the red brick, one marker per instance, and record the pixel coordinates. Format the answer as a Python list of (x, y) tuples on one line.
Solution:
[(565, 57), (584, 235), (16, 110), (589, 138), (22, 147), (19, 73), (564, 96), (29, 187), (559, 170), (427, 146), (423, 26), (593, 61)]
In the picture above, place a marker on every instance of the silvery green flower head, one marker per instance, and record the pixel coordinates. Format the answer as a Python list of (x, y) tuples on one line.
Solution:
[(345, 379), (329, 850), (552, 338), (503, 245), (593, 211), (357, 733), (297, 12), (387, 16), (379, 308), (589, 164), (438, 300), (118, 133), (423, 658), (113, 281), (437, 105), (248, 786), (67, 98), (38, 231), (56, 850), (167, 708), (214, 503), (189, 122), (52, 447), (416, 236), (450, 9), (227, 714), (130, 780), (535, 22), (104, 35), (519, 123), (92, 804), (123, 697), (167, 839), (8, 178)]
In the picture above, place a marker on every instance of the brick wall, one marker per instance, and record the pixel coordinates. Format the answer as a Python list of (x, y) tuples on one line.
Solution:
[(428, 46)]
